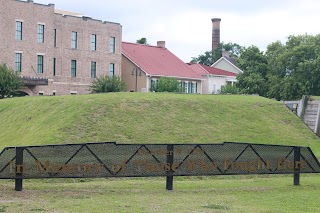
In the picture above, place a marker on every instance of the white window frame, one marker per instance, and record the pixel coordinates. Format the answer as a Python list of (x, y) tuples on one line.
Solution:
[(41, 32), (20, 62), (19, 36), (193, 87), (112, 44), (186, 87), (74, 40)]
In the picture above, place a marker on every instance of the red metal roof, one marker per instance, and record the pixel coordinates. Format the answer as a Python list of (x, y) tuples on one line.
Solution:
[(204, 69), (156, 60)]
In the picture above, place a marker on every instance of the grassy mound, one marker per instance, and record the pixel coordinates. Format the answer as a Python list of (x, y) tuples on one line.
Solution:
[(150, 118)]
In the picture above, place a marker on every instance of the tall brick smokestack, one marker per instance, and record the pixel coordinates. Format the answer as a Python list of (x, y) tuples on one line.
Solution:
[(215, 33)]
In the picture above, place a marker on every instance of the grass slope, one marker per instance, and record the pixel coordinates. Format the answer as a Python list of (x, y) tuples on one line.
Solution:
[(150, 118)]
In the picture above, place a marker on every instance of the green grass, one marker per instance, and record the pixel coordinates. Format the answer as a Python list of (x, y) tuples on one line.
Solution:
[(156, 118), (202, 194), (315, 97), (150, 118)]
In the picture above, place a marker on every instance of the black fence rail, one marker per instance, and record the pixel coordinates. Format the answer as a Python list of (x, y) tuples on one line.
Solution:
[(109, 159)]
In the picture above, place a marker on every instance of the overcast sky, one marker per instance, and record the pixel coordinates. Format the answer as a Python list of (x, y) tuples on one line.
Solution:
[(186, 25)]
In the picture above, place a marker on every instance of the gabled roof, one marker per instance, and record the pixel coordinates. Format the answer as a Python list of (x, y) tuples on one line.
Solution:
[(227, 60), (201, 69), (157, 61)]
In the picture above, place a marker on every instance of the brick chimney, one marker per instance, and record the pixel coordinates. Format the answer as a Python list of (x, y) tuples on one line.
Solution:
[(161, 44), (215, 33)]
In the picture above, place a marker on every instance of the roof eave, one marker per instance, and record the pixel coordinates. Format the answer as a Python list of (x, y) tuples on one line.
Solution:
[(199, 79), (228, 62)]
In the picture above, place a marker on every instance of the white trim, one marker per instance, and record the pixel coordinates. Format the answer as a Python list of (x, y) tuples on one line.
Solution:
[(18, 52), (19, 20), (41, 23), (41, 54), (73, 92), (228, 62), (147, 84), (221, 76), (190, 79)]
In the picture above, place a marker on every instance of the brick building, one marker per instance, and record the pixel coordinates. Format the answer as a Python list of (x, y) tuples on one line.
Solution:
[(57, 52)]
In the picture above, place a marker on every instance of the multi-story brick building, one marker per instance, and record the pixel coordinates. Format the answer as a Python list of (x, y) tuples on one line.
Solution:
[(57, 52)]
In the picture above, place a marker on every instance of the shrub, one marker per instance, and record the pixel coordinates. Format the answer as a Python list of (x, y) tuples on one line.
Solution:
[(165, 84), (104, 84), (10, 81), (229, 89)]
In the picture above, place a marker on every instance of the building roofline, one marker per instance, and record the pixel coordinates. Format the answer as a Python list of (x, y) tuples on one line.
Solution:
[(228, 62), (227, 76), (148, 45), (85, 18), (199, 79), (134, 63)]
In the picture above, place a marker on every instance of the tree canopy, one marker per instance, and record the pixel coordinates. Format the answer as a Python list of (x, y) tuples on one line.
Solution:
[(209, 57), (10, 81), (285, 71), (142, 41)]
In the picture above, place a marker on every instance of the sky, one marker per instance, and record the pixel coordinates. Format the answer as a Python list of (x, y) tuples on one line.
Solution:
[(186, 27)]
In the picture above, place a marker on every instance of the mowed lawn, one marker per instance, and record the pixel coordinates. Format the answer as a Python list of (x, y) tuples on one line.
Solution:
[(156, 118), (197, 194), (150, 118)]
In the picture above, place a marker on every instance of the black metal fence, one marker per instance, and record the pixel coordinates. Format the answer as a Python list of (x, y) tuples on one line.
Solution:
[(109, 159)]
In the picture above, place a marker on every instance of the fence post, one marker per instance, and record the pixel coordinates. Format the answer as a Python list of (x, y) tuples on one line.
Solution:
[(296, 174), (19, 168), (169, 182)]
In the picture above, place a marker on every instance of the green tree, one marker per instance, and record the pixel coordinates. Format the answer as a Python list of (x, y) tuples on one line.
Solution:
[(165, 84), (10, 81), (104, 84), (294, 67), (142, 41), (255, 68), (209, 57)]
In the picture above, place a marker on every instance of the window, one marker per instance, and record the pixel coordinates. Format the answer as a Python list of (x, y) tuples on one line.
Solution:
[(112, 42), (18, 30), (40, 33), (18, 61), (186, 88), (214, 89), (73, 68), (74, 40), (54, 66), (93, 42), (40, 63), (93, 69), (55, 37), (193, 87), (111, 70), (154, 85)]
